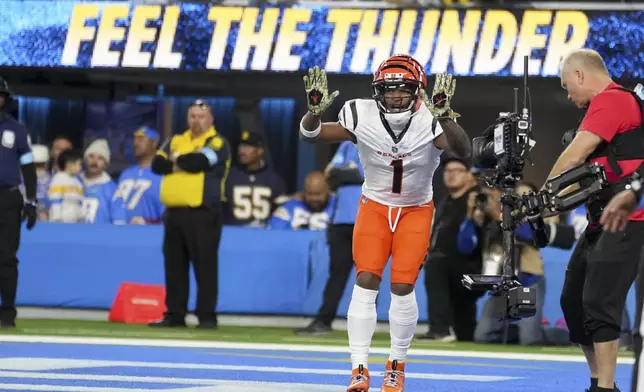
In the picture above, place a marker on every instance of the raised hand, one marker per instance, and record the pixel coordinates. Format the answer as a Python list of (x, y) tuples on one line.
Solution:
[(317, 94)]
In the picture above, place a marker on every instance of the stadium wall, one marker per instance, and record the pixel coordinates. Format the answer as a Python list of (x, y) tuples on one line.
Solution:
[(261, 271)]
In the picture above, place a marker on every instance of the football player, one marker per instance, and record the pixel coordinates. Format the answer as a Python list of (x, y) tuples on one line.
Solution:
[(400, 135)]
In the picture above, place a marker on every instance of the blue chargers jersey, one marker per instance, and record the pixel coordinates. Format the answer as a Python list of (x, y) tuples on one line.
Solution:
[(295, 215), (577, 219), (138, 196), (348, 196), (97, 203)]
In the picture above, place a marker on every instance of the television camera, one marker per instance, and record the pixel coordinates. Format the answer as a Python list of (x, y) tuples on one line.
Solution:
[(504, 148)]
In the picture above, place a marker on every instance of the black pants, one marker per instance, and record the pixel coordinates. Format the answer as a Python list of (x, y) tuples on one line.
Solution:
[(601, 270), (340, 238), (191, 235), (450, 304), (10, 218), (637, 337)]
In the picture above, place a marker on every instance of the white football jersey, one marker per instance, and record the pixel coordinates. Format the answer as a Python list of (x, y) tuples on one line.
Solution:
[(399, 164)]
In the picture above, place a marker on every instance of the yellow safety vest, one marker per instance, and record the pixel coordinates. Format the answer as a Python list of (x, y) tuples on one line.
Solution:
[(182, 189)]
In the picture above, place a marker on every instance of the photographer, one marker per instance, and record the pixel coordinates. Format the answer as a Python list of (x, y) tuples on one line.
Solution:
[(485, 217), (610, 134), (452, 308)]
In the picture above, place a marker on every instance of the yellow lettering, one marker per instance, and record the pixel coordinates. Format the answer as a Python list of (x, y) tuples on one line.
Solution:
[(107, 32), (164, 57), (262, 40), (139, 33), (77, 32), (487, 62), (459, 44), (558, 47), (367, 39), (343, 19), (405, 31), (426, 36), (288, 37), (529, 40), (223, 18)]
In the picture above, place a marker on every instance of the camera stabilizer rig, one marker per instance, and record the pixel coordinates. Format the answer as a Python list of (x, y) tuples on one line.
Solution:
[(504, 147)]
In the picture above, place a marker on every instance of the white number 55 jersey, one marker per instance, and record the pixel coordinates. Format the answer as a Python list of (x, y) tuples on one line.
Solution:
[(399, 161)]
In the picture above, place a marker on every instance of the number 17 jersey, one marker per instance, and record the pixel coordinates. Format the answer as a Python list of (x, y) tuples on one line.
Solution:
[(399, 160)]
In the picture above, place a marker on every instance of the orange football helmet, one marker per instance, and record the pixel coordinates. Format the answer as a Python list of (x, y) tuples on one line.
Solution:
[(401, 73)]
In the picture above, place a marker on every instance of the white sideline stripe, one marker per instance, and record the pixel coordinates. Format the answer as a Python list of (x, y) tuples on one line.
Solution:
[(26, 364), (225, 386), (291, 347)]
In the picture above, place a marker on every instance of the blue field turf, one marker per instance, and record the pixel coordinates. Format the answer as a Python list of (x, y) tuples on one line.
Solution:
[(88, 368)]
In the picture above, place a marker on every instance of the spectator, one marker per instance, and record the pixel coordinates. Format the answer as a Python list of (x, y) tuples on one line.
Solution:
[(66, 191), (60, 144), (490, 326), (99, 186), (452, 308), (138, 199), (41, 159), (254, 189), (312, 212)]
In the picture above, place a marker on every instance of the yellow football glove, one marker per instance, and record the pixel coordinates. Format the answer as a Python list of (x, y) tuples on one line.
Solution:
[(439, 103), (317, 94)]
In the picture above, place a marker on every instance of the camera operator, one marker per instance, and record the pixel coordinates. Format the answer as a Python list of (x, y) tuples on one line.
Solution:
[(611, 135), (531, 274), (452, 308)]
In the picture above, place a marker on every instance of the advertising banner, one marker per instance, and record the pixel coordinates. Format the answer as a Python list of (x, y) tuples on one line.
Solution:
[(188, 36)]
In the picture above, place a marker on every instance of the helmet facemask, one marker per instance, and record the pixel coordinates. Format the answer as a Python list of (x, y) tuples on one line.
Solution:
[(396, 96)]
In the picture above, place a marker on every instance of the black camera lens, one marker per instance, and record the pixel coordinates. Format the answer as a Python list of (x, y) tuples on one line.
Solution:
[(481, 199)]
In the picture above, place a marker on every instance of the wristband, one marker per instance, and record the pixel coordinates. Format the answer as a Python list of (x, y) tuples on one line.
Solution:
[(310, 134)]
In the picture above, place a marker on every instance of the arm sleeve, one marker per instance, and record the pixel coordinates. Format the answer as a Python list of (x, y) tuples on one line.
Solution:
[(55, 196), (161, 165), (27, 165), (215, 152), (117, 208), (523, 232), (348, 117), (30, 179), (467, 237), (281, 219)]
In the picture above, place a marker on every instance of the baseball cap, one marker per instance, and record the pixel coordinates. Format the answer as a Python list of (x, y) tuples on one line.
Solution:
[(251, 138), (150, 133), (451, 157)]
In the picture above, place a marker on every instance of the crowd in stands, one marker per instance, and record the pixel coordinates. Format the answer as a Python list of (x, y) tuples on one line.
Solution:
[(76, 187)]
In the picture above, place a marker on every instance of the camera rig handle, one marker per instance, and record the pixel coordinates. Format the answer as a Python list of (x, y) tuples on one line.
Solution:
[(591, 177)]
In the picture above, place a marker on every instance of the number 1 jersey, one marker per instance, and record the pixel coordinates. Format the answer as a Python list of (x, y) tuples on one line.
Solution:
[(399, 161)]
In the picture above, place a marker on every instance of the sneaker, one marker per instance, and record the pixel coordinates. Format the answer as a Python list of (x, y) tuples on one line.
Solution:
[(359, 380), (394, 377), (315, 328)]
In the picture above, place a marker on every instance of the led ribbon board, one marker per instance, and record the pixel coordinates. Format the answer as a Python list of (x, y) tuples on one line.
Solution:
[(187, 36)]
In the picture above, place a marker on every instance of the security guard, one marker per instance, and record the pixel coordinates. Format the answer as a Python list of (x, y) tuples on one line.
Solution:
[(194, 172), (15, 158)]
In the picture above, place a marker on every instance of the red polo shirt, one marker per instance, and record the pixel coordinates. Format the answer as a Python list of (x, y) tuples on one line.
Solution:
[(611, 112)]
